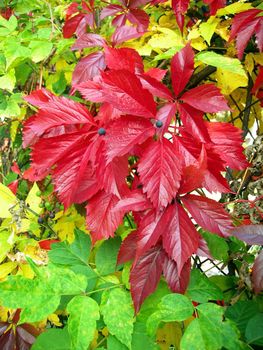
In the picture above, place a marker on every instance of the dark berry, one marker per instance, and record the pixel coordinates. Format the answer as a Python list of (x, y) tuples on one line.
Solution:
[(101, 131), (159, 124), (52, 215), (40, 220)]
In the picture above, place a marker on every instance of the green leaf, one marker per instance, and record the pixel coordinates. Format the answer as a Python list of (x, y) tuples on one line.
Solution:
[(9, 106), (7, 26), (209, 332), (254, 330), (5, 244), (89, 273), (8, 81), (20, 292), (118, 314), (234, 8), (232, 65), (83, 314), (15, 52), (140, 338), (76, 253), (217, 245), (106, 257), (53, 339), (114, 344), (201, 289), (40, 50), (173, 307), (241, 312)]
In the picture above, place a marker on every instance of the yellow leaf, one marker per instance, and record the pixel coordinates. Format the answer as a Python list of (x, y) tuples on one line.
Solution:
[(54, 319), (199, 44), (229, 82), (258, 57), (194, 34), (168, 20), (232, 9), (26, 271), (7, 200), (169, 335), (7, 268), (223, 29), (13, 129), (207, 29), (3, 314), (166, 39), (33, 200), (5, 244), (249, 63)]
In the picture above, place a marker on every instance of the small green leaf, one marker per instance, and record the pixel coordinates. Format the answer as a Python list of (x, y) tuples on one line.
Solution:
[(106, 257), (118, 314), (140, 338), (8, 81), (211, 58), (217, 245), (40, 50), (173, 307), (254, 330), (83, 314), (209, 332), (241, 312), (53, 339), (76, 253), (201, 290), (114, 344)]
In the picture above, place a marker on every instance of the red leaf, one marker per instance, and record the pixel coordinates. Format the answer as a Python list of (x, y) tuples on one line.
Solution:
[(71, 25), (180, 7), (46, 243), (124, 91), (194, 174), (134, 201), (178, 283), (125, 133), (257, 273), (244, 25), (251, 234), (206, 98), (165, 114), (189, 152), (56, 112), (128, 248), (203, 249), (113, 175), (125, 33), (110, 10), (92, 90), (193, 121), (139, 18), (13, 186), (156, 73), (182, 67), (124, 58), (181, 239), (215, 5), (88, 40), (155, 87), (39, 98), (259, 81), (228, 144), (208, 214), (152, 226), (74, 177), (88, 67), (145, 275), (160, 172), (102, 221)]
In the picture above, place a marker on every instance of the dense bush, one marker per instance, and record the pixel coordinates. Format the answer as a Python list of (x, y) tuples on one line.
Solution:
[(131, 175)]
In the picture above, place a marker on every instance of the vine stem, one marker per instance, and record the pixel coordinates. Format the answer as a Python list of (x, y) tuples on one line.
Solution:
[(102, 289)]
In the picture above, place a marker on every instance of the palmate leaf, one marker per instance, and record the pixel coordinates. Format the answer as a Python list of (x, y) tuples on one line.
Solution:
[(145, 275), (208, 214), (177, 282), (182, 67), (160, 172), (124, 58)]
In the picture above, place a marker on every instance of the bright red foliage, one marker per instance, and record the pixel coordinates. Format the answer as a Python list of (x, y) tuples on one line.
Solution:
[(132, 156)]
